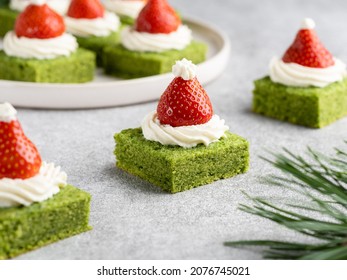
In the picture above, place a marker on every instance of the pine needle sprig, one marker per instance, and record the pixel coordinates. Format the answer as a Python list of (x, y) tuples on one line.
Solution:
[(322, 181)]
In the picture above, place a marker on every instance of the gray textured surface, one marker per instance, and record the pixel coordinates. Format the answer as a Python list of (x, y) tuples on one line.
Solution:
[(134, 220)]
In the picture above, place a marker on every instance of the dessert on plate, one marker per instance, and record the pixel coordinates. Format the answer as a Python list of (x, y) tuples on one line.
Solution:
[(37, 206), (153, 44), (182, 144), (93, 27), (307, 86), (9, 11), (39, 50), (127, 10)]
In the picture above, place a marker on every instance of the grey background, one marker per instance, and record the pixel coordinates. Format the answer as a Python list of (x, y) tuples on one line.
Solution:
[(135, 220)]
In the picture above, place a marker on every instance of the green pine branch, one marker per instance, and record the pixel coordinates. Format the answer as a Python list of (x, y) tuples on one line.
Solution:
[(322, 181)]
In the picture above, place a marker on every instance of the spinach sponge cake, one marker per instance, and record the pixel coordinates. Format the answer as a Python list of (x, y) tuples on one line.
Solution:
[(76, 68), (311, 106), (25, 228), (182, 144), (37, 206), (307, 86), (153, 44), (121, 62), (176, 169)]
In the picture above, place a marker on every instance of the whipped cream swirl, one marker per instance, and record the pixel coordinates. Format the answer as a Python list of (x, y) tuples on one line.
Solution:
[(60, 6), (184, 136), (24, 47), (160, 42), (293, 74), (15, 192), (128, 8), (185, 69), (7, 112), (101, 27)]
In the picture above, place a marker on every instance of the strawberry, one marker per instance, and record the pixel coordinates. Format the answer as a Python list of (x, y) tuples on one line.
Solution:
[(89, 9), (184, 102), (157, 17), (307, 50), (19, 158), (39, 22)]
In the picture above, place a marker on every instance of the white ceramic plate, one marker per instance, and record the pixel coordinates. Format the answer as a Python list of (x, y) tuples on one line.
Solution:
[(107, 91)]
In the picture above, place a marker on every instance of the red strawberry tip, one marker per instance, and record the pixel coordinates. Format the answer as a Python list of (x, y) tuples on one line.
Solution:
[(157, 16), (86, 9), (307, 50)]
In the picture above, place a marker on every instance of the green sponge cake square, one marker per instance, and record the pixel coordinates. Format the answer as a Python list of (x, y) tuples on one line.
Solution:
[(77, 68), (127, 20), (176, 169), (313, 107), (96, 44), (23, 229), (121, 62), (7, 19)]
